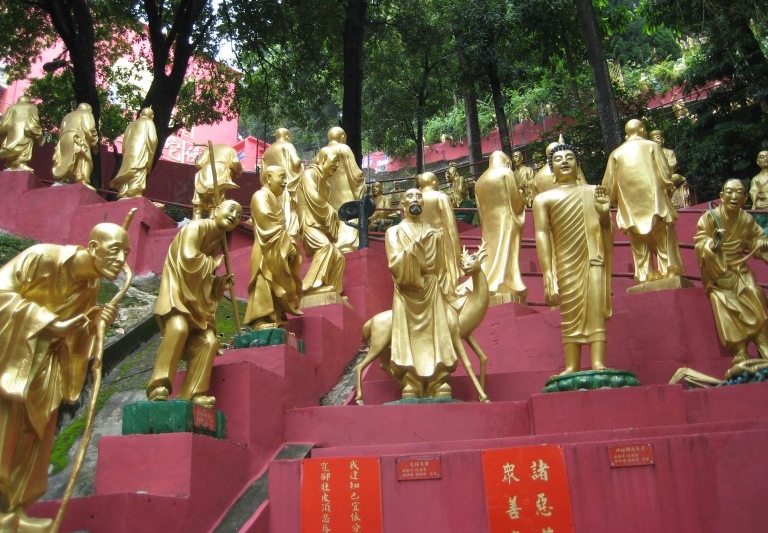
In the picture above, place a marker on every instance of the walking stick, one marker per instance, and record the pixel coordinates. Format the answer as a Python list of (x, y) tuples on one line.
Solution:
[(96, 374), (224, 246)]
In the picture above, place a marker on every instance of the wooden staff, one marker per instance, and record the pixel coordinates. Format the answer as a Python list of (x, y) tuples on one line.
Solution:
[(96, 374), (224, 245)]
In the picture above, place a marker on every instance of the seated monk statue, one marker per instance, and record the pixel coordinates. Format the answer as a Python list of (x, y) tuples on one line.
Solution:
[(275, 286), (19, 129), (723, 234)]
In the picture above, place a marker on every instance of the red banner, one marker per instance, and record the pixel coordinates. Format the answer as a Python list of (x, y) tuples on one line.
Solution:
[(341, 495), (526, 490)]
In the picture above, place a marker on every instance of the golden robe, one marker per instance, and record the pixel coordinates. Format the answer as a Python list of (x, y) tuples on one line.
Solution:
[(283, 154), (228, 168), (36, 371), (438, 213), (582, 250), (19, 128), (524, 179), (421, 340), (275, 286), (501, 210), (319, 226), (139, 145), (72, 159), (738, 302), (346, 185)]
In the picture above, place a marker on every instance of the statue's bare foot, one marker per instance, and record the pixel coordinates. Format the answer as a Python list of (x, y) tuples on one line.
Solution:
[(599, 366), (158, 394), (567, 371), (32, 525), (204, 401)]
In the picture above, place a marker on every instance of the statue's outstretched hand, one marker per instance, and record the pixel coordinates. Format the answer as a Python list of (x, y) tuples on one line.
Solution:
[(62, 328)]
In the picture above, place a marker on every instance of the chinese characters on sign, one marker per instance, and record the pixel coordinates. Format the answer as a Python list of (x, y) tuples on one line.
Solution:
[(341, 495), (631, 455), (412, 468), (526, 489)]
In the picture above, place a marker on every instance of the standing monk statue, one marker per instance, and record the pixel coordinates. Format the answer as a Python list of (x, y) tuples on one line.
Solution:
[(458, 187), (78, 140), (319, 226), (523, 177), (681, 195), (283, 154), (723, 234), (139, 145), (275, 286), (346, 184), (228, 169), (437, 211), (574, 241), (49, 329), (424, 325), (638, 180), (19, 129), (186, 305), (758, 191), (501, 210)]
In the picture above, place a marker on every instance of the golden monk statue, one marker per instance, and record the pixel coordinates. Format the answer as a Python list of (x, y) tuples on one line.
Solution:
[(425, 327), (275, 287), (19, 129), (186, 305), (346, 184), (501, 210), (283, 154), (457, 185), (523, 177), (437, 211), (638, 180), (319, 225), (574, 241), (50, 320), (681, 195), (381, 217), (139, 145), (759, 188), (228, 169), (78, 139), (723, 234), (544, 180)]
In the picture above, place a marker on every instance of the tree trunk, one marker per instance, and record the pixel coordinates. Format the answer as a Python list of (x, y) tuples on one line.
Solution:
[(498, 105), (473, 132), (606, 102), (352, 105)]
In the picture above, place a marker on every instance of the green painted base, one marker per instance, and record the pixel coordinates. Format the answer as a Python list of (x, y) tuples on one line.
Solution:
[(268, 337), (173, 416), (591, 379), (409, 401)]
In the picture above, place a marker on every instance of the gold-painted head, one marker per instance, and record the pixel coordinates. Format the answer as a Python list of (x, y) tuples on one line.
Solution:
[(733, 195), (108, 246), (227, 215)]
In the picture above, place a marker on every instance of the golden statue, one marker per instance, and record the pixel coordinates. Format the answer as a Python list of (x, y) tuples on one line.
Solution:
[(457, 185), (283, 154), (638, 180), (758, 191), (381, 217), (574, 237), (738, 302), (437, 211), (48, 295), (19, 129), (186, 305), (78, 139), (501, 210), (425, 331), (346, 184), (275, 287), (681, 195), (544, 180), (523, 177), (319, 225), (139, 145), (471, 310), (228, 168)]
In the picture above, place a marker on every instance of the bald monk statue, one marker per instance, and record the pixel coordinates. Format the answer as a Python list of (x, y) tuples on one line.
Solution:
[(346, 184)]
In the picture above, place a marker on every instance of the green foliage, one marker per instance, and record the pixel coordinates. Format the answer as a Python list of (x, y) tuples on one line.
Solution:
[(11, 246)]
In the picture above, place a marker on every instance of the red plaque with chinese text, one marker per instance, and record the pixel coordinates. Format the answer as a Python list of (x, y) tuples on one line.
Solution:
[(631, 455), (526, 489), (204, 418), (413, 468), (341, 495)]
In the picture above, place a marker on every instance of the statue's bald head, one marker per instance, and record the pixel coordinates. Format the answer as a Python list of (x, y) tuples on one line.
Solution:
[(634, 127), (500, 159), (337, 134), (427, 179), (108, 247), (282, 134)]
